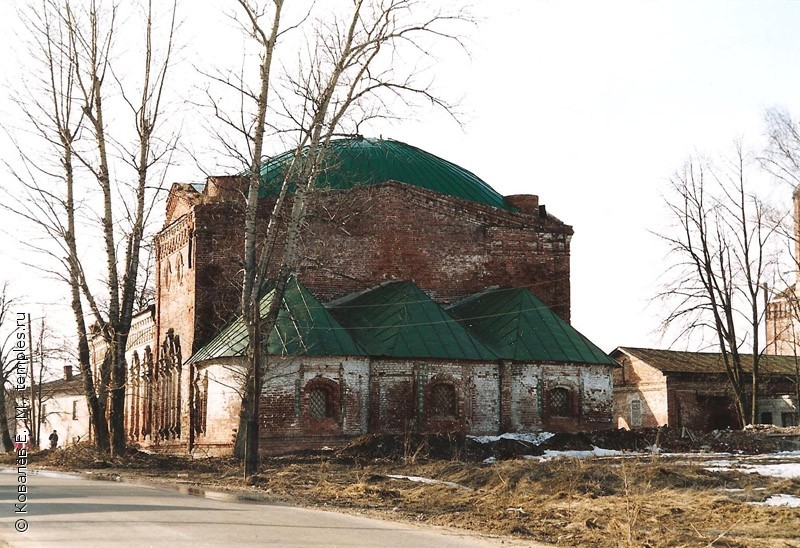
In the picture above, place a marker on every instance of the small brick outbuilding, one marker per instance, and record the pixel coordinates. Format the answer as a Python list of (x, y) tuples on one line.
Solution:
[(691, 389)]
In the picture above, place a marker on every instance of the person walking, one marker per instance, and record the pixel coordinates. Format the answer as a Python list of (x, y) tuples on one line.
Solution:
[(54, 440)]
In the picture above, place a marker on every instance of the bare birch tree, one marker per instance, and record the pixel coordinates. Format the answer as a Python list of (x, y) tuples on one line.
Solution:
[(75, 43), (346, 74), (7, 366), (721, 243)]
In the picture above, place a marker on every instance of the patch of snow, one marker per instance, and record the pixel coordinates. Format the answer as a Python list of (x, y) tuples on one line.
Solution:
[(418, 479), (535, 438), (703, 455), (791, 501), (718, 463), (788, 470), (490, 460), (779, 455), (600, 452), (594, 452)]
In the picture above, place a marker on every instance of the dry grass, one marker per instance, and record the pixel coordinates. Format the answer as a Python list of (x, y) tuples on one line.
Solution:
[(590, 502)]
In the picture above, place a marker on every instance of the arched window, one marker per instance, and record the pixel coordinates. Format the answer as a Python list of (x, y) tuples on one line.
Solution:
[(167, 274), (443, 401), (179, 268), (559, 402), (320, 405)]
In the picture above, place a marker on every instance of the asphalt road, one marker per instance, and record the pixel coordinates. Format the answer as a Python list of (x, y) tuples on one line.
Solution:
[(66, 511)]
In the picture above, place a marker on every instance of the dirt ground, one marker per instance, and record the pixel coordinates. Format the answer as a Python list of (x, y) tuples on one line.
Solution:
[(628, 500)]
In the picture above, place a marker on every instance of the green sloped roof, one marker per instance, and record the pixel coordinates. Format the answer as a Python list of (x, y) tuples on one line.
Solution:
[(304, 328), (359, 161), (399, 320), (518, 326)]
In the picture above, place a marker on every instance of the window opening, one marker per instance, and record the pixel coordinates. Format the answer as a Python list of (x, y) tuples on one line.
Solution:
[(319, 404), (636, 413), (443, 400), (559, 402)]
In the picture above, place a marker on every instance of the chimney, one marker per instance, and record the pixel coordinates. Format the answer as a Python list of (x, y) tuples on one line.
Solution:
[(226, 187), (67, 372), (527, 204)]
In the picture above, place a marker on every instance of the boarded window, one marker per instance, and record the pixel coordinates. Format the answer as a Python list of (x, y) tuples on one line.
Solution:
[(167, 274), (559, 402), (179, 268), (766, 418), (319, 405), (443, 400), (200, 411), (788, 419), (636, 413)]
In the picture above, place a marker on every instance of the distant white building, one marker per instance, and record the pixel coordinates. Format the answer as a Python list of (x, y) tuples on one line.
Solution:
[(64, 410)]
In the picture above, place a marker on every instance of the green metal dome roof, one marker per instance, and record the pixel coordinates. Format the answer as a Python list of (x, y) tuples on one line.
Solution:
[(361, 161)]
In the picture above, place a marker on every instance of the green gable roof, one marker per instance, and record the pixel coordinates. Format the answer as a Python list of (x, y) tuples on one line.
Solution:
[(400, 321), (518, 326), (358, 161), (304, 328)]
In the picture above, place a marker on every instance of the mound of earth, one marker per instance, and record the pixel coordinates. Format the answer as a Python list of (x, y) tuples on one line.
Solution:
[(454, 446)]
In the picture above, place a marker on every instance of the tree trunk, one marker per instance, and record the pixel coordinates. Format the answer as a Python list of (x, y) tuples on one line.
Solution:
[(116, 416), (253, 401), (244, 413), (8, 443)]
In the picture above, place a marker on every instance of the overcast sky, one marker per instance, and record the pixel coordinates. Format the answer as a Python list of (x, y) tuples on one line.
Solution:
[(590, 105)]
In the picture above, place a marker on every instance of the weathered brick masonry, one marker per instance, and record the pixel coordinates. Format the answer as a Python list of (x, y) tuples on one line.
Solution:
[(691, 390), (449, 247)]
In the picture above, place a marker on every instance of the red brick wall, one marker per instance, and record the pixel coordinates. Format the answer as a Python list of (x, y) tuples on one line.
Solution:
[(451, 248), (700, 402), (636, 380), (394, 396)]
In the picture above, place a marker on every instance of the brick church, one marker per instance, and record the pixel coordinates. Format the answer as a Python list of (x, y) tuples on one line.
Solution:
[(424, 301)]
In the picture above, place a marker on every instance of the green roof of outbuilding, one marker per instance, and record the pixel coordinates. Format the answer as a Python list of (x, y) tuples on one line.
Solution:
[(400, 321), (304, 328), (518, 326), (360, 161)]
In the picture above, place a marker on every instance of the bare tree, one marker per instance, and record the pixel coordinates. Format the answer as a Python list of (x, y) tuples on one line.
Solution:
[(346, 75), (721, 242), (76, 46), (782, 159), (782, 154), (7, 366)]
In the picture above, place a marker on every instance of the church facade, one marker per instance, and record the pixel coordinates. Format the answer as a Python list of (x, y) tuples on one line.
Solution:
[(424, 301)]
